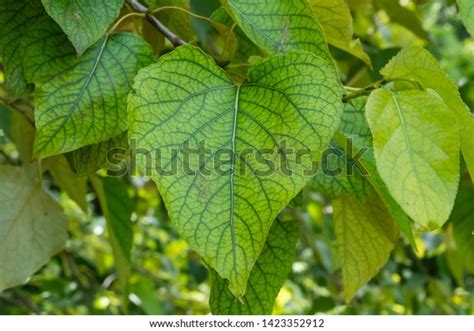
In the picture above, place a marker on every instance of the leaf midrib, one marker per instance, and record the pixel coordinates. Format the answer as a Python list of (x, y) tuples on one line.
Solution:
[(409, 150), (232, 172)]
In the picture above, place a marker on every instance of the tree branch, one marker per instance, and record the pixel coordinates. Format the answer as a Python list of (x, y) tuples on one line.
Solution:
[(175, 40)]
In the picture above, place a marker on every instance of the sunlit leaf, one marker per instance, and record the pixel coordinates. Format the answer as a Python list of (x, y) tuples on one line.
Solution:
[(417, 64), (336, 20), (186, 99), (416, 146)]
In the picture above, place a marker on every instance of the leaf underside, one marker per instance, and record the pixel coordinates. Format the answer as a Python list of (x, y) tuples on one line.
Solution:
[(86, 104), (32, 227), (185, 99), (279, 26), (416, 63), (416, 146)]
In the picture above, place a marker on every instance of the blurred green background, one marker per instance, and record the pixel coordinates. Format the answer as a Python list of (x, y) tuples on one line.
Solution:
[(168, 278)]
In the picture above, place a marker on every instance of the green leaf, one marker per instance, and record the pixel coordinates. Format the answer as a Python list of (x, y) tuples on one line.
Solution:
[(19, 130), (105, 155), (117, 207), (34, 47), (15, 17), (86, 104), (84, 22), (336, 20), (74, 186), (279, 26), (32, 227), (417, 64), (266, 279), (186, 99), (416, 145), (466, 9), (340, 173), (44, 50), (365, 236)]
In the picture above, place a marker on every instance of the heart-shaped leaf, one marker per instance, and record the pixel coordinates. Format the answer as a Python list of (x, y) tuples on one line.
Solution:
[(230, 158)]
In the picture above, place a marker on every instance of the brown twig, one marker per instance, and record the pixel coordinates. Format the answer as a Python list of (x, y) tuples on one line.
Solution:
[(170, 35)]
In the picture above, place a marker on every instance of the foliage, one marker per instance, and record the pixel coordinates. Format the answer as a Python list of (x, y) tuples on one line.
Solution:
[(237, 157)]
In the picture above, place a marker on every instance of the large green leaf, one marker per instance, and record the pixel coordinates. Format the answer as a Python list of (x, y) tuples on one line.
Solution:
[(417, 64), (466, 8), (279, 26), (86, 104), (266, 278), (32, 227), (416, 145), (365, 236), (288, 102), (84, 21), (336, 20)]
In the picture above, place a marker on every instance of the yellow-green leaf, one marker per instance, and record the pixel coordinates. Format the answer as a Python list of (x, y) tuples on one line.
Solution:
[(417, 64), (365, 236), (336, 20), (416, 146), (290, 101)]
